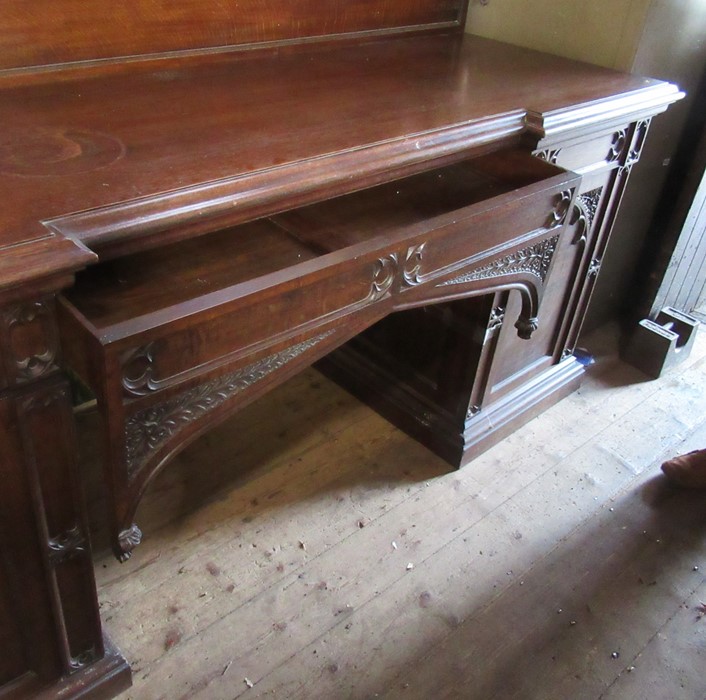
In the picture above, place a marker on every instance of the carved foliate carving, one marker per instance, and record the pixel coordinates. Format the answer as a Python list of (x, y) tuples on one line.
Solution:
[(148, 429), (384, 274), (32, 341), (562, 203), (67, 545), (495, 322), (85, 658), (127, 541), (594, 268), (411, 274), (585, 209), (526, 326), (638, 141), (550, 155), (138, 371), (473, 410), (534, 260)]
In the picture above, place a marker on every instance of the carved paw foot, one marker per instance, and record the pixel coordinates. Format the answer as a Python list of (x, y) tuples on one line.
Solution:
[(526, 326), (127, 541)]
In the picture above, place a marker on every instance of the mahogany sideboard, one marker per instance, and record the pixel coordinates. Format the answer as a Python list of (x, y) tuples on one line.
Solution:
[(200, 199)]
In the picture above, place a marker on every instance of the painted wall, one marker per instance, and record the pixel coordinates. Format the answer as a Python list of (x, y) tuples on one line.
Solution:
[(605, 32)]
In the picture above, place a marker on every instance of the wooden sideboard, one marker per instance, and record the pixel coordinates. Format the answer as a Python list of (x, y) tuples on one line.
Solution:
[(199, 200)]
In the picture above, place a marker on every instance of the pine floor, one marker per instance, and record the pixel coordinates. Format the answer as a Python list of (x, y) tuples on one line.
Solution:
[(308, 550)]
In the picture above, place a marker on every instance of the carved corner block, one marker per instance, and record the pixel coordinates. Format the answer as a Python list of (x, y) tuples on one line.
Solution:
[(29, 342)]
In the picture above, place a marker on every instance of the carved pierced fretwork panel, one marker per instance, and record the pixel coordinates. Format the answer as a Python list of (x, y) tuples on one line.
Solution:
[(534, 260), (147, 430), (29, 341)]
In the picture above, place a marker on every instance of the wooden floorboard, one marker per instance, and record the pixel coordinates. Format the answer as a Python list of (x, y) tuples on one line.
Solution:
[(307, 549)]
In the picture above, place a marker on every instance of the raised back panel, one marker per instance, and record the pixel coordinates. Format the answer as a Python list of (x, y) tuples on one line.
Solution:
[(45, 32)]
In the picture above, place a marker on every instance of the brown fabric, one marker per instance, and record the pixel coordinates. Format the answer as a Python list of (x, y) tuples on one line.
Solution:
[(688, 470)]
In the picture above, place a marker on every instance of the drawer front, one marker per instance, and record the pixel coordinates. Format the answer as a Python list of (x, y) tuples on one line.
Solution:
[(483, 242), (187, 348)]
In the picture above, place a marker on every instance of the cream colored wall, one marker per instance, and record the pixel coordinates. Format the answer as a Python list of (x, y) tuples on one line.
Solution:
[(605, 32)]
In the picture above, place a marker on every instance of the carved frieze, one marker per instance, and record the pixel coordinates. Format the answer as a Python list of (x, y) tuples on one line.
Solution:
[(148, 429), (31, 341), (534, 260)]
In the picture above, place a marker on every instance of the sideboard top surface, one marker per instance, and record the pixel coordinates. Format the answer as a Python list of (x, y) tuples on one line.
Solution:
[(189, 137)]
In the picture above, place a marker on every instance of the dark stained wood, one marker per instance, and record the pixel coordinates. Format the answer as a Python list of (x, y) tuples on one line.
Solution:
[(249, 192), (73, 30), (149, 348)]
